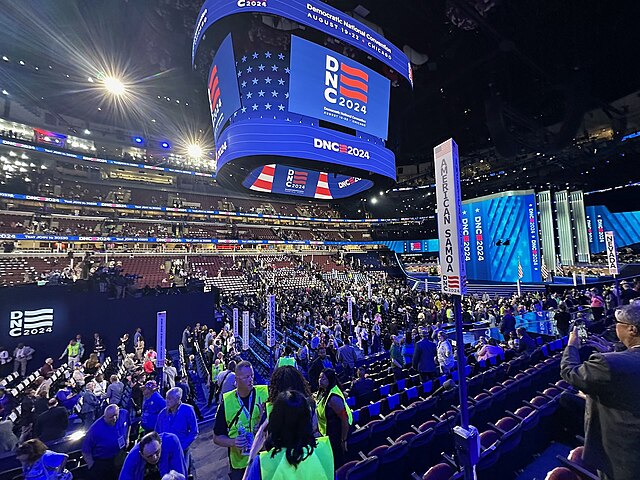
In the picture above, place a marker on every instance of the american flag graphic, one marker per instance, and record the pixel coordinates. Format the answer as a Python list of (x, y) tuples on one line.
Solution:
[(444, 148), (544, 270), (263, 80), (520, 271)]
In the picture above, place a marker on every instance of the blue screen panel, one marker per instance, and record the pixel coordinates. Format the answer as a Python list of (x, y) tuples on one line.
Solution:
[(297, 140), (224, 98), (332, 87), (499, 232), (624, 225)]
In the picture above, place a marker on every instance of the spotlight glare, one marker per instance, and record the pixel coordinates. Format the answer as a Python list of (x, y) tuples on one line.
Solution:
[(138, 140), (114, 86), (165, 145), (194, 150), (374, 200)]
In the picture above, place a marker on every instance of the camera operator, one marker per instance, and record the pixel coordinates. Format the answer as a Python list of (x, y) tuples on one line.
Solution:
[(611, 382)]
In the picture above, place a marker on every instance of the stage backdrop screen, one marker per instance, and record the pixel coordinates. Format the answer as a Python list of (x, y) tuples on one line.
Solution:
[(499, 231), (329, 86), (624, 225), (224, 98)]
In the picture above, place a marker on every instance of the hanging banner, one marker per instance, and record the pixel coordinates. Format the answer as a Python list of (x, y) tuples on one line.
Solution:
[(448, 202), (612, 255), (426, 284), (271, 320), (245, 330), (350, 310), (235, 322), (161, 338)]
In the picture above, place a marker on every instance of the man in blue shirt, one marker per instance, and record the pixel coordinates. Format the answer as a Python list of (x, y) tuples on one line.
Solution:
[(152, 405), (104, 441), (178, 418), (155, 456)]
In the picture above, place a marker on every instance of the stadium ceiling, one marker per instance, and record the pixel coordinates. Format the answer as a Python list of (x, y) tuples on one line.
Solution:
[(509, 80)]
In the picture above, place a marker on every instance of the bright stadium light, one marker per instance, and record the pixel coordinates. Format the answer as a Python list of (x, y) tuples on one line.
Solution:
[(194, 150), (114, 85), (374, 200)]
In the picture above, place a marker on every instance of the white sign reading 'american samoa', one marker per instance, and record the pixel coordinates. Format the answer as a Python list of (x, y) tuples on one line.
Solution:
[(448, 201), (612, 255)]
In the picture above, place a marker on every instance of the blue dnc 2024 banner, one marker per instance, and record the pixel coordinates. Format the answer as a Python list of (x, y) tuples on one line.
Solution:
[(224, 98), (497, 233), (332, 87), (624, 225)]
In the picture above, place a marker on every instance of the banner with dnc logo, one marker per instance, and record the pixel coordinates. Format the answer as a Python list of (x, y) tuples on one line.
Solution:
[(329, 86), (222, 88)]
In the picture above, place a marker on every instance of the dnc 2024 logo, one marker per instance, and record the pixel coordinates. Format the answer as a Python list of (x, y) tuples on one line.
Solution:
[(31, 322), (346, 86)]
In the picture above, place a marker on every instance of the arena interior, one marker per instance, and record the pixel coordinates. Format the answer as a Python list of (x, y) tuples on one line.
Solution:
[(226, 252)]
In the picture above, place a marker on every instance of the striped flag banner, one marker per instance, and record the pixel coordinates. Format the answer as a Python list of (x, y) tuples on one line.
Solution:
[(38, 318), (544, 270), (520, 272)]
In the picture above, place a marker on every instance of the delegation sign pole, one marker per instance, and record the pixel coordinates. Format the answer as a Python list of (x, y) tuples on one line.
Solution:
[(612, 260), (454, 283)]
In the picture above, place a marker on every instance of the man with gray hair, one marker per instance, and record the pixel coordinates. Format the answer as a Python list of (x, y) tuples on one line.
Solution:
[(105, 441), (178, 418), (611, 382)]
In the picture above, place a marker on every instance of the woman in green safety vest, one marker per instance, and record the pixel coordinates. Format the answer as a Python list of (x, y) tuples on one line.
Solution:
[(294, 453), (287, 358), (289, 378), (334, 415)]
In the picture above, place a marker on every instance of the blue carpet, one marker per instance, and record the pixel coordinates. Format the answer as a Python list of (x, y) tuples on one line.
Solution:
[(547, 461)]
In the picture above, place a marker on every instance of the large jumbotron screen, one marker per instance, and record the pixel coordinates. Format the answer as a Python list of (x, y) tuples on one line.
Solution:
[(295, 108)]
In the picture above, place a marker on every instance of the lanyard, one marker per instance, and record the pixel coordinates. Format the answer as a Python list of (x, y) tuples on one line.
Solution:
[(244, 408)]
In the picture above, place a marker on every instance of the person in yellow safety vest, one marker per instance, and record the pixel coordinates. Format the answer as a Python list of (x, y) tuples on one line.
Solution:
[(287, 358), (296, 454), (333, 421), (238, 418), (72, 351), (216, 368)]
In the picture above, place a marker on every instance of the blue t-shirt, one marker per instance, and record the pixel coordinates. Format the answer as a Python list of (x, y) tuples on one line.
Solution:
[(151, 407), (105, 441), (182, 423)]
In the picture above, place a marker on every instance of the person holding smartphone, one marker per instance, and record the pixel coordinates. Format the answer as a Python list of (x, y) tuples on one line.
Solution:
[(611, 382)]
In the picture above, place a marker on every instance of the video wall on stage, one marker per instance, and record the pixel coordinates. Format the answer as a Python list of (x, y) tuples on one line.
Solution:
[(624, 225), (500, 232)]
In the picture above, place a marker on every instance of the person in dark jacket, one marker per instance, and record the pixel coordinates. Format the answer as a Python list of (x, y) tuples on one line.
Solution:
[(53, 423), (527, 345), (563, 319), (611, 382), (508, 323), (424, 357)]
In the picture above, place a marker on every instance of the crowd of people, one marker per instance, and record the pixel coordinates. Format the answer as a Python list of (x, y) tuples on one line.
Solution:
[(301, 421)]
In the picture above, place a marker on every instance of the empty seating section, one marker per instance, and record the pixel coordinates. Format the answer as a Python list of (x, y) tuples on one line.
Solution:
[(14, 223), (214, 265), (15, 270)]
